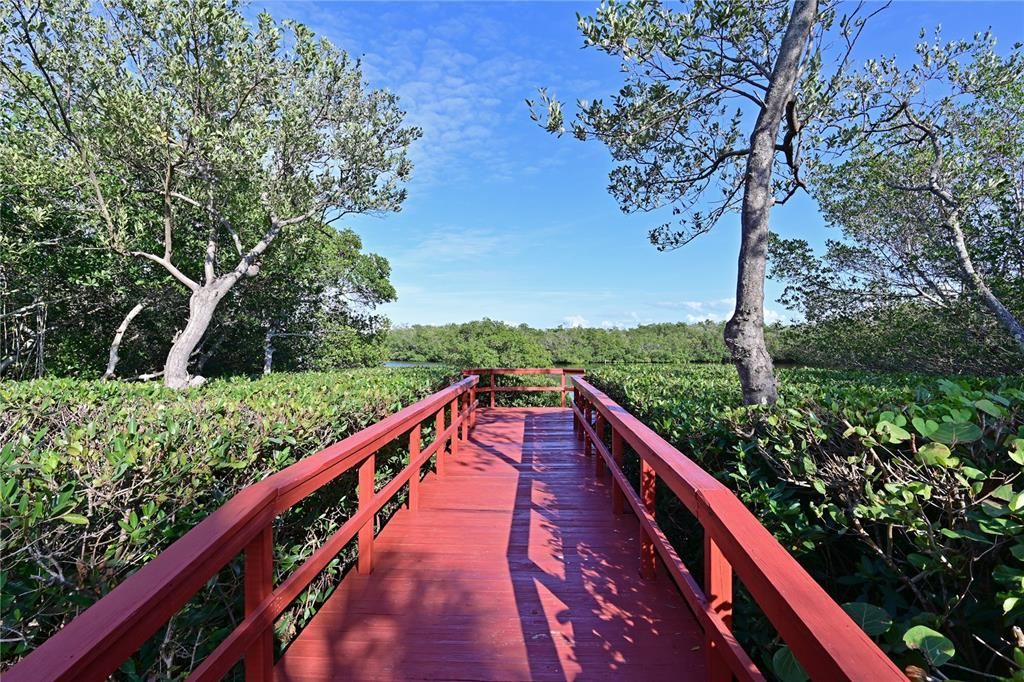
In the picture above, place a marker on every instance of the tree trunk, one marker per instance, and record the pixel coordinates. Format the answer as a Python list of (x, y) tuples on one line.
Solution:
[(201, 307), (40, 340), (268, 351), (744, 333), (115, 345), (977, 283)]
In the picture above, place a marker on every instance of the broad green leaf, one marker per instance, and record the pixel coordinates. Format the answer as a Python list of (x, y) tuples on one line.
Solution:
[(951, 433), (871, 619), (76, 519), (786, 667), (936, 648), (936, 454)]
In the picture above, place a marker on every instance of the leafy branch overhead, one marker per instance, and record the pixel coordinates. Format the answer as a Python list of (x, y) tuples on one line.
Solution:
[(198, 139), (695, 81)]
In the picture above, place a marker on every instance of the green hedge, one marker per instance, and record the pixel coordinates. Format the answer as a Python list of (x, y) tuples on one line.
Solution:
[(895, 491), (97, 478)]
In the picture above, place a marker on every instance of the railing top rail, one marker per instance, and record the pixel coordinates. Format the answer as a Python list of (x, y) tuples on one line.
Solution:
[(141, 604), (524, 370), (821, 635)]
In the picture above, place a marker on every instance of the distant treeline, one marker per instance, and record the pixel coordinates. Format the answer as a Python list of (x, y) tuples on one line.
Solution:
[(914, 338), (488, 343)]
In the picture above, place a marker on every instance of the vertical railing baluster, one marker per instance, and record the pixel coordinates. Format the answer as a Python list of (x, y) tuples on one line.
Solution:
[(492, 388), (586, 436), (718, 589), (454, 407), (563, 388), (472, 407), (414, 480), (441, 444), (648, 483), (464, 415), (367, 476), (259, 583), (598, 459), (618, 497)]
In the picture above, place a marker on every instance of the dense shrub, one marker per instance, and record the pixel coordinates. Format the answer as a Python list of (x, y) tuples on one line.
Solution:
[(97, 478), (898, 491)]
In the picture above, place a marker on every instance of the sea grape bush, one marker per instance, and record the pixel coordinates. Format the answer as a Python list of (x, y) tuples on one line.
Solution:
[(96, 478), (902, 494)]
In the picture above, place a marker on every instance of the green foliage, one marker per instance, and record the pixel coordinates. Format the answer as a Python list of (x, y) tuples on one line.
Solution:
[(920, 179), (96, 478), (695, 79), (153, 148), (901, 494), (494, 344)]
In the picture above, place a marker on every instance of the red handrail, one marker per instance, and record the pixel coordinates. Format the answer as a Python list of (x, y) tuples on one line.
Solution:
[(824, 639), (494, 371), (97, 642)]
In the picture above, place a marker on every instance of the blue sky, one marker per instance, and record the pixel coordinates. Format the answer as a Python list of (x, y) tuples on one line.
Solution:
[(508, 222)]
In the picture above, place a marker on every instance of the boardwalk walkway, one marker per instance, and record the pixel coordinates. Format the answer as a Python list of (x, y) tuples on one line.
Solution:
[(513, 567), (510, 563)]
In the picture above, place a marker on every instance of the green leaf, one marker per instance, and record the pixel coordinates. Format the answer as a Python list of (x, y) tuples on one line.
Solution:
[(950, 433), (76, 519), (871, 619), (1017, 450), (786, 667), (988, 407), (936, 454), (935, 647)]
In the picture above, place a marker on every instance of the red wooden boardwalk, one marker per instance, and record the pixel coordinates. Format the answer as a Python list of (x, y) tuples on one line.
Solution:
[(513, 567), (520, 559)]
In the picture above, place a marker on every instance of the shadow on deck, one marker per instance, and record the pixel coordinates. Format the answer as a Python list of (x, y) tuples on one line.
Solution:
[(512, 568)]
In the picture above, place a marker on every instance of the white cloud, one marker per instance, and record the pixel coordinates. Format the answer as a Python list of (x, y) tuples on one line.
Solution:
[(574, 321), (453, 244)]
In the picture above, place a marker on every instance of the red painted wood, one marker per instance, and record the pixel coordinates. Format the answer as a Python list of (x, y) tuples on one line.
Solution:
[(442, 441), (648, 483), (618, 500), (454, 407), (718, 588), (720, 635), (259, 583), (513, 568), (599, 432), (95, 644), (414, 454), (828, 644), (367, 477)]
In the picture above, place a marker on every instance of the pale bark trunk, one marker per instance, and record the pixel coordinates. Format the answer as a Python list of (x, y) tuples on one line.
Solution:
[(744, 333), (201, 307), (41, 340), (115, 345), (977, 283), (268, 351)]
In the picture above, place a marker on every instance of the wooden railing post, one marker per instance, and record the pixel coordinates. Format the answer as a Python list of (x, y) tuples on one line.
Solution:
[(367, 476), (414, 454), (454, 407), (492, 388), (580, 403), (464, 407), (439, 429), (598, 459), (586, 437), (472, 407), (718, 590), (563, 387), (259, 583), (648, 482), (618, 497)]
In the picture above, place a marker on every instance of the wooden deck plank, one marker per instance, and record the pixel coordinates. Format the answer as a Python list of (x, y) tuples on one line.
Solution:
[(513, 568)]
